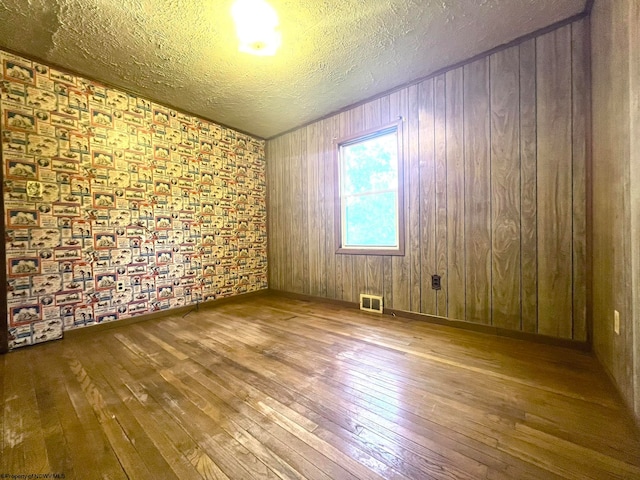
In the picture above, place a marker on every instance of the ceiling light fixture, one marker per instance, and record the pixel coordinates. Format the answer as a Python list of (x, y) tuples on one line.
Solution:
[(256, 26)]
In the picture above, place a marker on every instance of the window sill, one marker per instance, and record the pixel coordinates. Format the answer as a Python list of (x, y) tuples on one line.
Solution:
[(370, 251)]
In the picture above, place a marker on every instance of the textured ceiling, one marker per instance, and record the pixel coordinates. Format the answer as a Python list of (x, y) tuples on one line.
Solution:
[(334, 53)]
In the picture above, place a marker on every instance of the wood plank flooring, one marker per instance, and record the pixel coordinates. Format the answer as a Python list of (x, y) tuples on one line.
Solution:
[(272, 387)]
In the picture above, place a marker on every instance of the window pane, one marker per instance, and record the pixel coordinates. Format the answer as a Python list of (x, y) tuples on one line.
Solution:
[(371, 220), (370, 165)]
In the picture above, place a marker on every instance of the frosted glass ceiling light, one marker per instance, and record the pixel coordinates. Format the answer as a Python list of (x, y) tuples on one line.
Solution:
[(256, 26)]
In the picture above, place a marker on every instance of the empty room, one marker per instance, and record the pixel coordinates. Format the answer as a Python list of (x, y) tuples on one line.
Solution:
[(347, 239)]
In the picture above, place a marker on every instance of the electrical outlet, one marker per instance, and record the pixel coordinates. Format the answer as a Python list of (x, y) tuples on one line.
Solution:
[(616, 322)]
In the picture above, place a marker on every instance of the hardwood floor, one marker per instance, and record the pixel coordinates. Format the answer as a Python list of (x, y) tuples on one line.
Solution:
[(279, 388)]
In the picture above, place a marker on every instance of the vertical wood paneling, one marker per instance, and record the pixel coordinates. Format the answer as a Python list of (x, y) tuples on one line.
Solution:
[(282, 214), (357, 124), (373, 117), (413, 220), (330, 129), (427, 195), (387, 277), (477, 191), (528, 187), (272, 229), (580, 123), (298, 210), (614, 246), (347, 276), (294, 278), (441, 192), (494, 193), (274, 184), (283, 188), (313, 198), (553, 54), (455, 194), (400, 264), (321, 212), (505, 188)]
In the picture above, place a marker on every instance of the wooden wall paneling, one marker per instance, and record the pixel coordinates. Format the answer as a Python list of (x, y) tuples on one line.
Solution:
[(304, 224), (477, 144), (274, 186), (634, 174), (373, 119), (344, 274), (580, 137), (292, 209), (505, 188), (358, 123), (553, 58), (427, 171), (320, 213), (441, 193), (455, 194), (413, 208), (275, 210), (287, 214), (330, 134), (300, 166), (282, 213), (271, 185), (494, 201), (400, 264), (528, 186), (313, 207), (387, 264)]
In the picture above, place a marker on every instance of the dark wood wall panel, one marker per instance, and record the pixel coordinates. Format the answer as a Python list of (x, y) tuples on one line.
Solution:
[(477, 157), (455, 194), (427, 169), (505, 188), (494, 194), (314, 229), (553, 81), (413, 225), (528, 188), (400, 264), (441, 193), (581, 126)]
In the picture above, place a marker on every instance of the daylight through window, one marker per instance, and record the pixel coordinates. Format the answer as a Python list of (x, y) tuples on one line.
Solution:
[(370, 196)]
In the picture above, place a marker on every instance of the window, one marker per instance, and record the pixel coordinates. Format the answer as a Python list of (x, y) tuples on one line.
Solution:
[(370, 194)]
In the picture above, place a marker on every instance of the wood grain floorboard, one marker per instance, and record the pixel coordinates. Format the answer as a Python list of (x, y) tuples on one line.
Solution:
[(290, 389)]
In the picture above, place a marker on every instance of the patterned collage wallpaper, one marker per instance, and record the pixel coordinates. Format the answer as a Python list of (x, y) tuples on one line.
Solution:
[(116, 206)]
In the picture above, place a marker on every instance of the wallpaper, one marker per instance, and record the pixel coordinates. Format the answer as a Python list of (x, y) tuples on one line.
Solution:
[(116, 206)]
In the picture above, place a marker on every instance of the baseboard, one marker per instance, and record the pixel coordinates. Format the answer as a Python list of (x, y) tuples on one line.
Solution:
[(179, 311), (475, 327), (491, 330), (312, 298), (629, 403)]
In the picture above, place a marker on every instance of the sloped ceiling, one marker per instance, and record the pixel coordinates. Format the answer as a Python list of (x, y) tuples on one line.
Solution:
[(335, 52)]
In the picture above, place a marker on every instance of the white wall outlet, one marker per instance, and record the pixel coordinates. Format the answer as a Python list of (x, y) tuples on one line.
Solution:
[(616, 322)]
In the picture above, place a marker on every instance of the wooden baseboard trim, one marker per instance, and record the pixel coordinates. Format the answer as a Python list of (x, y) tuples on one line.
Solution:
[(491, 330), (628, 403), (311, 298), (164, 313), (475, 327)]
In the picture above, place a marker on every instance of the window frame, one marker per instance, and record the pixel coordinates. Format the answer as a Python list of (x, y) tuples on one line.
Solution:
[(353, 139)]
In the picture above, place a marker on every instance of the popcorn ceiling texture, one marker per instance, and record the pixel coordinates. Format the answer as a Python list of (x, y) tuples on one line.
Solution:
[(334, 53), (116, 206)]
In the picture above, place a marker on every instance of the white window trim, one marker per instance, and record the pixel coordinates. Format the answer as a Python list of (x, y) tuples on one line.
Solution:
[(340, 211)]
